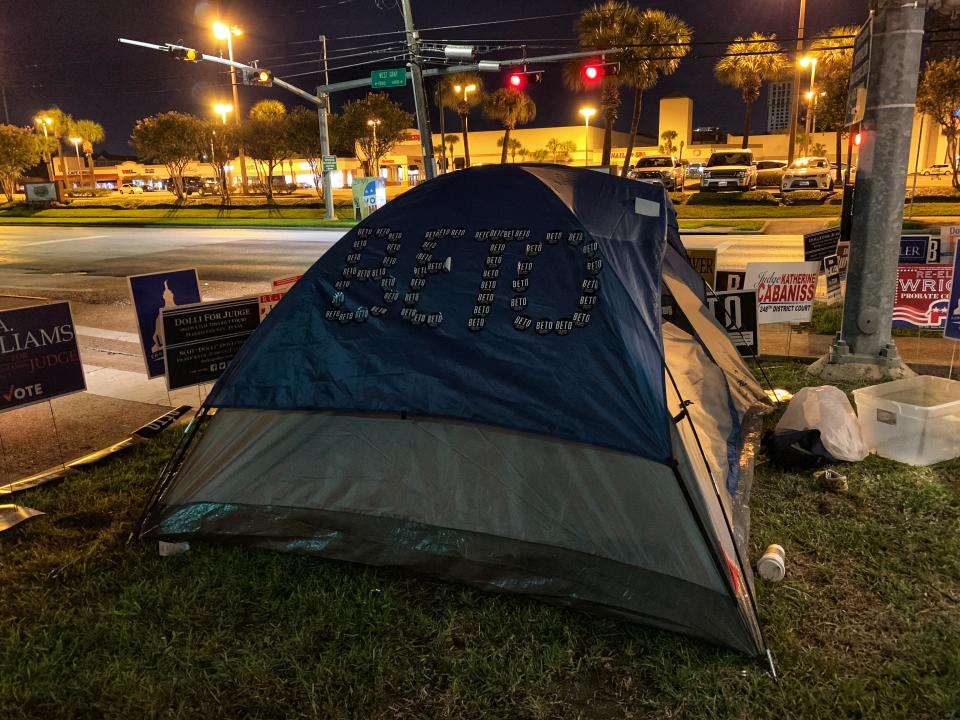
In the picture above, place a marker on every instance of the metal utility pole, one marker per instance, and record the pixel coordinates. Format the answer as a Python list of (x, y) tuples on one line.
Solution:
[(865, 339), (236, 112), (795, 95), (323, 109), (419, 94)]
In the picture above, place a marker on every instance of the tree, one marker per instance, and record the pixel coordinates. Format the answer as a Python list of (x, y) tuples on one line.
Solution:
[(540, 155), (660, 41), (19, 150), (939, 97), (266, 139), (834, 57), (602, 27), (462, 101), (393, 127), (451, 140), (668, 136), (513, 146), (562, 150), (172, 139), (220, 147), (521, 151), (90, 133), (57, 129), (511, 108), (748, 64), (305, 143)]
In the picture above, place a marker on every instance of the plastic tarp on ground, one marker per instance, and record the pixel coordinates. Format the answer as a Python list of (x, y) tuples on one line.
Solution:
[(473, 383)]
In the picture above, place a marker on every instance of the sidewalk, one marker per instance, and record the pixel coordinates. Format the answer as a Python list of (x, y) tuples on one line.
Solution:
[(926, 355)]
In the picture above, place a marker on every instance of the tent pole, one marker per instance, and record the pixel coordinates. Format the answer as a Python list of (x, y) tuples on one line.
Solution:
[(168, 472), (723, 512)]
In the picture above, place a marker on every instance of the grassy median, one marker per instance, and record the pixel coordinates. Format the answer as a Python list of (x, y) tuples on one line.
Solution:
[(865, 625)]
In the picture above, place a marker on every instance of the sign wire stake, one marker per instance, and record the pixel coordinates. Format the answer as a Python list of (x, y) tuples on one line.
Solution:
[(56, 432), (953, 354), (789, 337)]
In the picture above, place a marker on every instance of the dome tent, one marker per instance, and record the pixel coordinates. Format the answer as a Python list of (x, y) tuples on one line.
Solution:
[(475, 383)]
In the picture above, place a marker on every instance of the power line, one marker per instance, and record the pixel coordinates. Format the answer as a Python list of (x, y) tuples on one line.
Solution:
[(467, 25)]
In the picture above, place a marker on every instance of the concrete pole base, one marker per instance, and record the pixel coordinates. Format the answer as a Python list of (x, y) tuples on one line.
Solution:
[(858, 369)]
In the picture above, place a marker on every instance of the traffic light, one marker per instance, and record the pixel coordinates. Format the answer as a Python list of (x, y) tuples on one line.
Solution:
[(856, 139), (518, 79), (185, 54), (593, 72), (255, 76)]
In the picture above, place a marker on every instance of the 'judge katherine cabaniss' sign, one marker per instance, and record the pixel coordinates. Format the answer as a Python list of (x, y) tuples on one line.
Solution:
[(39, 357), (785, 291)]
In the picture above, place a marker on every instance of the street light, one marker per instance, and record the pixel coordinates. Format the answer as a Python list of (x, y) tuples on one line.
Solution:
[(373, 122), (222, 109), (43, 122), (76, 146), (464, 120), (227, 32), (587, 112), (795, 95), (809, 62)]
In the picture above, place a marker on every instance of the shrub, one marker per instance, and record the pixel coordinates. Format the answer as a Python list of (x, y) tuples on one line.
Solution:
[(754, 197), (769, 178), (805, 197), (89, 192)]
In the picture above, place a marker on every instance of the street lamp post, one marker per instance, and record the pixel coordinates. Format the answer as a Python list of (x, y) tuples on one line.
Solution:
[(587, 112), (374, 166), (795, 95), (221, 109), (43, 122), (224, 32), (464, 120), (810, 62), (76, 146)]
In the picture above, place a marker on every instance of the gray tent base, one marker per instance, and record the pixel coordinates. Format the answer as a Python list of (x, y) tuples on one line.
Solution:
[(573, 524)]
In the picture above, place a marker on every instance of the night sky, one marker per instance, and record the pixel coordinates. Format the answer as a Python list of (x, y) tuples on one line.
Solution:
[(55, 52)]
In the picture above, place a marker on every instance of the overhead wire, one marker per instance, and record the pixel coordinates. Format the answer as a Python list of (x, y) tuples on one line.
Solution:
[(466, 25)]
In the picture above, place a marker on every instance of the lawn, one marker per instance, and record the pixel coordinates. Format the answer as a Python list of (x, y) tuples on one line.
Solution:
[(865, 625)]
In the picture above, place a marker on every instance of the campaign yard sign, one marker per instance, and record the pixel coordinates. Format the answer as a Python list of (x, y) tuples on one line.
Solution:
[(785, 290), (922, 295), (200, 340), (831, 271), (952, 325), (704, 261), (153, 293), (728, 280), (737, 312), (39, 357), (820, 244), (914, 249), (279, 288)]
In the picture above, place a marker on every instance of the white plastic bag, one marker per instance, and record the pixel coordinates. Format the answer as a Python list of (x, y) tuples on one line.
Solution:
[(826, 409)]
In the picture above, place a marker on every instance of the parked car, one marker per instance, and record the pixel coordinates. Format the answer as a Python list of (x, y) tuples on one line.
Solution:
[(130, 189), (664, 169), (808, 173), (695, 169), (771, 164), (938, 169), (730, 170)]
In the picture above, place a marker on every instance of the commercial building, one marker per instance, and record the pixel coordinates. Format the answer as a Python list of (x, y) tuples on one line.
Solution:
[(779, 96)]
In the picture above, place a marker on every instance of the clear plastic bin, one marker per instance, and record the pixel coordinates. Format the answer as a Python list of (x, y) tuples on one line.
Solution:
[(915, 420)]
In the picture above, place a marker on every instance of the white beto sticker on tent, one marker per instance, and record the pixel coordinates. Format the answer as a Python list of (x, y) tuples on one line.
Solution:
[(785, 291)]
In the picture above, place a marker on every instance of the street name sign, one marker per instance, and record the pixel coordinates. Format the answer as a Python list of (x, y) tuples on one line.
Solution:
[(388, 78), (859, 74), (329, 162)]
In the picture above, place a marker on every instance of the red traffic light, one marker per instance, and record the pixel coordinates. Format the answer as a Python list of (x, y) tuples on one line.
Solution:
[(592, 73), (856, 139), (516, 81)]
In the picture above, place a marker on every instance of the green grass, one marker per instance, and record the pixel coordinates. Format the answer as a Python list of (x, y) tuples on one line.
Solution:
[(280, 216), (736, 225), (865, 625)]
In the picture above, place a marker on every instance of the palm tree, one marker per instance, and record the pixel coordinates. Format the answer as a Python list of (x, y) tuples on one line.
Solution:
[(90, 133), (834, 57), (511, 108), (660, 41), (59, 128), (462, 101), (603, 27), (746, 65), (451, 140)]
